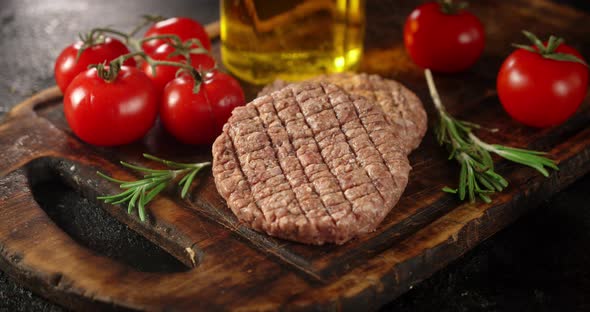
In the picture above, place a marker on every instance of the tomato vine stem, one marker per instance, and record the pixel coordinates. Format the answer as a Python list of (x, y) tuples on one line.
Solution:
[(450, 7), (147, 19), (174, 38), (110, 73), (96, 35), (548, 51)]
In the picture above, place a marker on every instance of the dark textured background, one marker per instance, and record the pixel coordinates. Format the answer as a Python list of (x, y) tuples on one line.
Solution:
[(539, 263)]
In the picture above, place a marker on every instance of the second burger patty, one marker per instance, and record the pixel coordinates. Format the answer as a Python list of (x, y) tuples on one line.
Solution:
[(310, 163), (403, 108)]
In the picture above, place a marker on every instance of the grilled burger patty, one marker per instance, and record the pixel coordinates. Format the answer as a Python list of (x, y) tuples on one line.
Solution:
[(402, 107), (310, 163)]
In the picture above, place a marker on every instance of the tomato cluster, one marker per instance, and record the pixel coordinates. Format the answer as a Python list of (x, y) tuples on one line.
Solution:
[(540, 85), (116, 102)]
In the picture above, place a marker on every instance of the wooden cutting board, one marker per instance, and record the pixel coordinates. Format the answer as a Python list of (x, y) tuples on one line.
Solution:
[(236, 268)]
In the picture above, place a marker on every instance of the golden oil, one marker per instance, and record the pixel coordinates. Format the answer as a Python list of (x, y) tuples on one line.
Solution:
[(291, 39)]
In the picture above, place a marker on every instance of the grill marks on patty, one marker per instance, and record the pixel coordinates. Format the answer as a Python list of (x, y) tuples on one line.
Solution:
[(403, 108), (310, 163)]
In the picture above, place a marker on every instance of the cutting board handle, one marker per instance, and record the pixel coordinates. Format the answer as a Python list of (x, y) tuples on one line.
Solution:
[(35, 251)]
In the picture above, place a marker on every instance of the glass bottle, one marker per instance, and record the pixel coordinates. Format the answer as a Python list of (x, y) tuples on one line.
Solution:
[(291, 39)]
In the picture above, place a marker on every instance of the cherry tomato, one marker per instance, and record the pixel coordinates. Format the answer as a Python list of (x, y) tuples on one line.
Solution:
[(443, 42), (199, 118), (541, 92), (111, 113), (165, 74), (66, 67), (183, 27)]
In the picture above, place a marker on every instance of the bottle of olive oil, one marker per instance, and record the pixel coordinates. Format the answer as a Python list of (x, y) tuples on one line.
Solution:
[(291, 39)]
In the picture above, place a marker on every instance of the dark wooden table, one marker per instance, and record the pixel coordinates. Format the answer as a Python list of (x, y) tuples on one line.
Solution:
[(525, 266)]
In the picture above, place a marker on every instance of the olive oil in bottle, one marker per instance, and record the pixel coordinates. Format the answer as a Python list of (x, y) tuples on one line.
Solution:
[(291, 39)]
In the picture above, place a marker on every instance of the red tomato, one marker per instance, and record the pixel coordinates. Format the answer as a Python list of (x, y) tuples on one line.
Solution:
[(111, 113), (443, 42), (183, 27), (541, 92), (66, 67), (199, 118), (202, 62), (165, 74)]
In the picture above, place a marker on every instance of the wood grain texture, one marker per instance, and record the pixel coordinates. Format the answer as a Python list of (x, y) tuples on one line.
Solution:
[(236, 268)]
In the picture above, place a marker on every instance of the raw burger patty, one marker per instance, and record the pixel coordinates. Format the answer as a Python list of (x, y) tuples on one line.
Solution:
[(402, 107), (310, 163)]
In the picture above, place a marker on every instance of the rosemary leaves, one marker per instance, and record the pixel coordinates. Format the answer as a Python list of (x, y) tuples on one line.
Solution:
[(477, 177), (140, 192)]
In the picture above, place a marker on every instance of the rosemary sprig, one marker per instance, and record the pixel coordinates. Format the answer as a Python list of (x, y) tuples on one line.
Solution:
[(477, 177), (139, 193)]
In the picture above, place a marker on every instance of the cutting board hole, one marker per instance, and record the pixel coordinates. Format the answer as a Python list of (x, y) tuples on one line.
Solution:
[(91, 226)]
